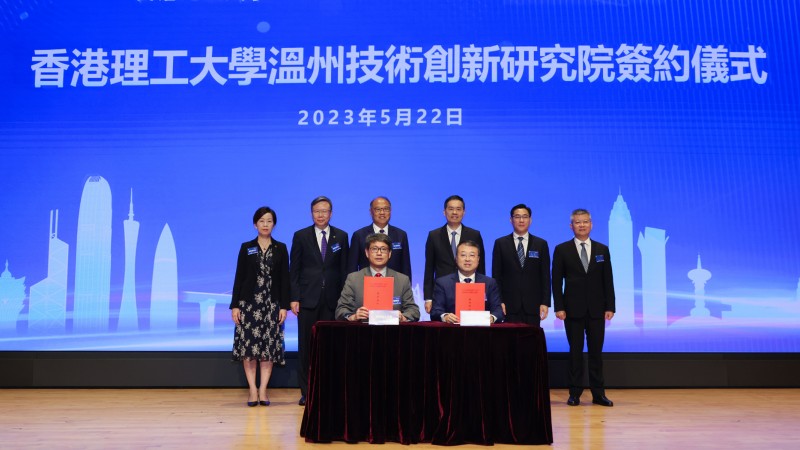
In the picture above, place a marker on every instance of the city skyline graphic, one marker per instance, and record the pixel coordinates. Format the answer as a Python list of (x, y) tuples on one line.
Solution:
[(157, 325)]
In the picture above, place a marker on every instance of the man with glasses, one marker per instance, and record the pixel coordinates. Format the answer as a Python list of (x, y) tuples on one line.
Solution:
[(378, 253), (318, 267), (440, 248), (381, 211), (521, 267), (583, 293)]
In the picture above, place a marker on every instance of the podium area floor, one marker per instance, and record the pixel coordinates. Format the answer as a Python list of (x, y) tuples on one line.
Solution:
[(219, 419)]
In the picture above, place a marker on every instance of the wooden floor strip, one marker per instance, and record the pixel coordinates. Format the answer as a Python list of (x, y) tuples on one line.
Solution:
[(219, 419)]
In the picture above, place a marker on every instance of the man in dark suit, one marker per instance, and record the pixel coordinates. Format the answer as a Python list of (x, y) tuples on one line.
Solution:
[(440, 248), (521, 267), (351, 302), (381, 210), (444, 293), (583, 291), (318, 267)]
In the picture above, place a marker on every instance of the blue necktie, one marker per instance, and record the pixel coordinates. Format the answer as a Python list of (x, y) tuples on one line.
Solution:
[(520, 253), (453, 243), (323, 248), (467, 280)]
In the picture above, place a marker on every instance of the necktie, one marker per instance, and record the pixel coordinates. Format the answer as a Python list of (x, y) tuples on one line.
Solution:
[(378, 275), (584, 257), (323, 248), (453, 243), (467, 280), (383, 231), (520, 253)]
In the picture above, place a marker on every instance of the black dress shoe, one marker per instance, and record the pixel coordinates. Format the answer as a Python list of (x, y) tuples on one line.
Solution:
[(263, 402), (602, 401), (573, 400), (251, 404), (302, 401)]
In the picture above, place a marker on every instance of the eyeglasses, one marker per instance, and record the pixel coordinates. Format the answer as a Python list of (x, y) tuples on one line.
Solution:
[(377, 250), (581, 222), (521, 217), (321, 212), (382, 210)]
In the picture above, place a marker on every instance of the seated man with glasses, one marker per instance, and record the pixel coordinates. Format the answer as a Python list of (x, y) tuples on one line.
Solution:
[(378, 249)]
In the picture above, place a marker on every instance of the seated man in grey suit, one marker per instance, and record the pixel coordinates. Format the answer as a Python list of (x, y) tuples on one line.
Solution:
[(468, 256), (378, 248)]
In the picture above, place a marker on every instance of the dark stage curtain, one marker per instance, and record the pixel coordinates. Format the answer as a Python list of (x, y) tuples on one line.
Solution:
[(428, 382)]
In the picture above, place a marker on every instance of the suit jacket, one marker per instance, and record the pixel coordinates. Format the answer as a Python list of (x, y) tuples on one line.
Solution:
[(247, 270), (523, 289), (439, 259), (352, 296), (444, 296), (309, 273), (579, 292), (401, 256)]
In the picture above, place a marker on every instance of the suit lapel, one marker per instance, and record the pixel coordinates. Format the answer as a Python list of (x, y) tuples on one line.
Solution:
[(592, 256), (446, 237), (513, 255), (312, 240), (576, 254)]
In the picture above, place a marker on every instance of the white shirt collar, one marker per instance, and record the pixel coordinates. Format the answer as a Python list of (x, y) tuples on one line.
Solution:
[(588, 243), (378, 229), (457, 230), (373, 272), (461, 277)]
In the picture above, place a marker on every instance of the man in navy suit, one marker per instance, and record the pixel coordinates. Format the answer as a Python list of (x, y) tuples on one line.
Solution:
[(318, 268), (583, 292), (440, 248), (444, 293), (381, 210), (521, 267)]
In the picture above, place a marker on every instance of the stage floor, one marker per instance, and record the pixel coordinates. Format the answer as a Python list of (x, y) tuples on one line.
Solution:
[(219, 419)]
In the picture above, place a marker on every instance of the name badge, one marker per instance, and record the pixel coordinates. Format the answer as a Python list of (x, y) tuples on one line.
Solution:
[(252, 250), (533, 254), (395, 300), (397, 246), (336, 247), (599, 258)]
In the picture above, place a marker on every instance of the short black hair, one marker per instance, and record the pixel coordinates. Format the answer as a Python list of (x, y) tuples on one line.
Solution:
[(455, 197), (469, 243), (319, 199), (265, 210), (520, 206), (378, 237)]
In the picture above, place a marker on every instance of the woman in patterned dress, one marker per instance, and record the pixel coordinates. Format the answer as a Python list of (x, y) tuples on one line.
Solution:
[(259, 303)]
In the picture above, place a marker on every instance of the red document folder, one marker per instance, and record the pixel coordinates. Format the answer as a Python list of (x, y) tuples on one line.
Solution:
[(378, 292), (470, 297)]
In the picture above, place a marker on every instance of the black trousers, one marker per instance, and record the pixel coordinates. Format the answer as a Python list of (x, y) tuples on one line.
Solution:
[(595, 331), (306, 319)]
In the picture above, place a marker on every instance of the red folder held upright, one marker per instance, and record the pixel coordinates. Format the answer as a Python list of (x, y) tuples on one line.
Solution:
[(470, 297), (378, 293)]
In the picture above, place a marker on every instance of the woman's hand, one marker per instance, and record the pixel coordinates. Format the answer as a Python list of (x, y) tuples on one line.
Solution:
[(236, 315), (281, 316)]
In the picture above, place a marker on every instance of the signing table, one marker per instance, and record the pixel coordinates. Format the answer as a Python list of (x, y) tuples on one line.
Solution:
[(428, 382)]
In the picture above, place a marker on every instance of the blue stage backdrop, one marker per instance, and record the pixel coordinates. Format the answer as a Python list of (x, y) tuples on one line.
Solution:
[(138, 138)]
